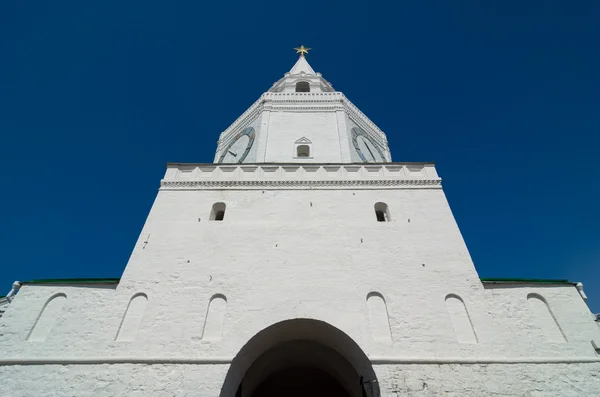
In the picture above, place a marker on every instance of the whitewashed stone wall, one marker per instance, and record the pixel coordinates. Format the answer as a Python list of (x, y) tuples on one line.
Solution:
[(477, 380), (303, 244), (287, 127), (112, 380), (177, 380)]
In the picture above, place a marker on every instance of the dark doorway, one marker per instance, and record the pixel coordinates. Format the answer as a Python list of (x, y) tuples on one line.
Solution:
[(300, 382)]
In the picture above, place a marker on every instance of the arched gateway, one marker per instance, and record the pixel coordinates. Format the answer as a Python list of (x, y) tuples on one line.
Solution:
[(300, 357)]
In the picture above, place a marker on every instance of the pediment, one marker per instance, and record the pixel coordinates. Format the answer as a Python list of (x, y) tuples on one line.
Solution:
[(303, 140)]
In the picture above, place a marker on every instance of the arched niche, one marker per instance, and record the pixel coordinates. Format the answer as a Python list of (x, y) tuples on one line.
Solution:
[(47, 318), (215, 317), (461, 321), (132, 318), (379, 318), (545, 318), (300, 357)]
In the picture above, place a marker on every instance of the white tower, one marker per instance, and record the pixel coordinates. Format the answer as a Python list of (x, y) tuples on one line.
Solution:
[(301, 262), (302, 119)]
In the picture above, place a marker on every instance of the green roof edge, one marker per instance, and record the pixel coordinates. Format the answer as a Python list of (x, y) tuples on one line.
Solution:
[(116, 280), (73, 281), (524, 280)]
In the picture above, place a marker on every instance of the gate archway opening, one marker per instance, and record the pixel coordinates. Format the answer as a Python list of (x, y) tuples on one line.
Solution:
[(300, 357)]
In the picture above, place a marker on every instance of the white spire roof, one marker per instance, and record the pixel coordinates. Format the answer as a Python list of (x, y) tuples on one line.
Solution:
[(302, 66), (302, 72)]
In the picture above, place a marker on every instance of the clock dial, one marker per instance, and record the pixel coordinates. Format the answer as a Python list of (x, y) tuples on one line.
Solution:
[(239, 147), (368, 150)]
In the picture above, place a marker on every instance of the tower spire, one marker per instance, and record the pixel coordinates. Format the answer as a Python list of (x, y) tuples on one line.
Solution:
[(302, 64), (302, 73)]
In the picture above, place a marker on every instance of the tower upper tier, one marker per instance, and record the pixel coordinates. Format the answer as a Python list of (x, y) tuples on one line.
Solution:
[(302, 119)]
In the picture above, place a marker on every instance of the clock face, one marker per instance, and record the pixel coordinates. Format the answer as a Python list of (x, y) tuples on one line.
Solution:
[(239, 147), (368, 150)]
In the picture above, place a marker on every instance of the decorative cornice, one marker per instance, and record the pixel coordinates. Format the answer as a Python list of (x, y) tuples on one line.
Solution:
[(303, 96), (301, 176), (410, 183), (295, 108)]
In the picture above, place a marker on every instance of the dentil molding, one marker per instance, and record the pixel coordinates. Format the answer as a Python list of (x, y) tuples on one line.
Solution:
[(300, 176)]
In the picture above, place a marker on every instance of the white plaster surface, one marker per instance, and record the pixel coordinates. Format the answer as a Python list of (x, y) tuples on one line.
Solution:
[(538, 380), (302, 66), (105, 380), (172, 380)]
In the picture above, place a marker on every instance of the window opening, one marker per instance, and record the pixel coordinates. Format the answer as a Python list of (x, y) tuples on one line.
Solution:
[(302, 86), (218, 212), (303, 151), (382, 212)]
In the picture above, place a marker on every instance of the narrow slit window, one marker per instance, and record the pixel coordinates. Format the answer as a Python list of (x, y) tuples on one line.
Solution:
[(302, 86), (303, 151), (382, 213), (218, 212)]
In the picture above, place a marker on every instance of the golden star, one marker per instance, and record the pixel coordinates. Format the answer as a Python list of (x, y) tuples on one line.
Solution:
[(302, 50)]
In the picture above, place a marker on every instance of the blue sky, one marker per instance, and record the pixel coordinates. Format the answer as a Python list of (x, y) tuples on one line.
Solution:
[(95, 98)]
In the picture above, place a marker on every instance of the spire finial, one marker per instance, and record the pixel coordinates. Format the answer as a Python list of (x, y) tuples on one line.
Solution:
[(302, 50)]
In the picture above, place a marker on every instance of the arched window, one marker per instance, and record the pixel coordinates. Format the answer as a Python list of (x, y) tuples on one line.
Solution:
[(382, 212), (218, 212), (302, 86), (303, 151)]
